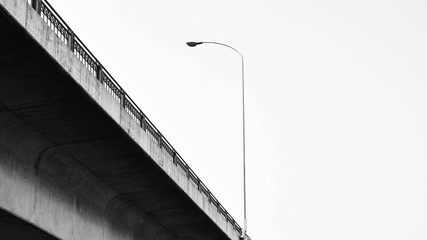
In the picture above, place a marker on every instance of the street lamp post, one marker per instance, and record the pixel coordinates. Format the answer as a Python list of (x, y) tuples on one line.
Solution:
[(193, 44)]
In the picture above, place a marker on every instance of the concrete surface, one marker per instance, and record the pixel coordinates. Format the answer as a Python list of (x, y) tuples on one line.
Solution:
[(73, 162), (12, 227)]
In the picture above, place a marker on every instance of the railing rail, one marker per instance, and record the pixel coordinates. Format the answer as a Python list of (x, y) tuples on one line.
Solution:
[(64, 32)]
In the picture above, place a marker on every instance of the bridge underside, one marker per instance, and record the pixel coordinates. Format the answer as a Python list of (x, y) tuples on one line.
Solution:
[(53, 134)]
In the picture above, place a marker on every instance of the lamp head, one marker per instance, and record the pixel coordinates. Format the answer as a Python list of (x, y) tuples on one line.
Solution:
[(193, 44)]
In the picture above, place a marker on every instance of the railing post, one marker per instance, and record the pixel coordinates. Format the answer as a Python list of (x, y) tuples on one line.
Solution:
[(37, 5), (71, 40), (174, 158), (122, 99), (142, 122), (99, 72), (159, 135)]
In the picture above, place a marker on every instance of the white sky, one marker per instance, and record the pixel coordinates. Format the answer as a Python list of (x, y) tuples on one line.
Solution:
[(336, 104)]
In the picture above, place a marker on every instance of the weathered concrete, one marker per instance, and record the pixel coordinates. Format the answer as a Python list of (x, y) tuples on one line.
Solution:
[(12, 227), (73, 162)]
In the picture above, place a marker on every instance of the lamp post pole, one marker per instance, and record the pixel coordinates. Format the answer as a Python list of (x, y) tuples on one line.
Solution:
[(193, 44)]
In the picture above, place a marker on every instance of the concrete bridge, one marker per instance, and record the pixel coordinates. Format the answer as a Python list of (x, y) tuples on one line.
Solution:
[(78, 158)]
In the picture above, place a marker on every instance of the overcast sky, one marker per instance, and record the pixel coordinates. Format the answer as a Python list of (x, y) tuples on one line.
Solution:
[(336, 104)]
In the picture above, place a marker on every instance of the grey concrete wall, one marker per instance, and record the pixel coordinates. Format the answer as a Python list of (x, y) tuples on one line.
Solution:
[(32, 180), (44, 185)]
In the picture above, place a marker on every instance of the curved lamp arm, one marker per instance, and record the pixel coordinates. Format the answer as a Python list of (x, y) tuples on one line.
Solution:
[(193, 44)]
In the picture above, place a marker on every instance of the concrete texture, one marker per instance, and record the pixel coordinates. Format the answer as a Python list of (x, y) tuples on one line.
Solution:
[(73, 162), (12, 227)]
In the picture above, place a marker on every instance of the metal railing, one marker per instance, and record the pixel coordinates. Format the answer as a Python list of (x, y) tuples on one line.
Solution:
[(64, 32)]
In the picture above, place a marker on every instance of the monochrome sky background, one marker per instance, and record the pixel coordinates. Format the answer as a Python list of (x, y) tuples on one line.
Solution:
[(336, 97)]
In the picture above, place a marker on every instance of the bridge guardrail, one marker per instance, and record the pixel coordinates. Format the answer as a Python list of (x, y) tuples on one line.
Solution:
[(64, 32)]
